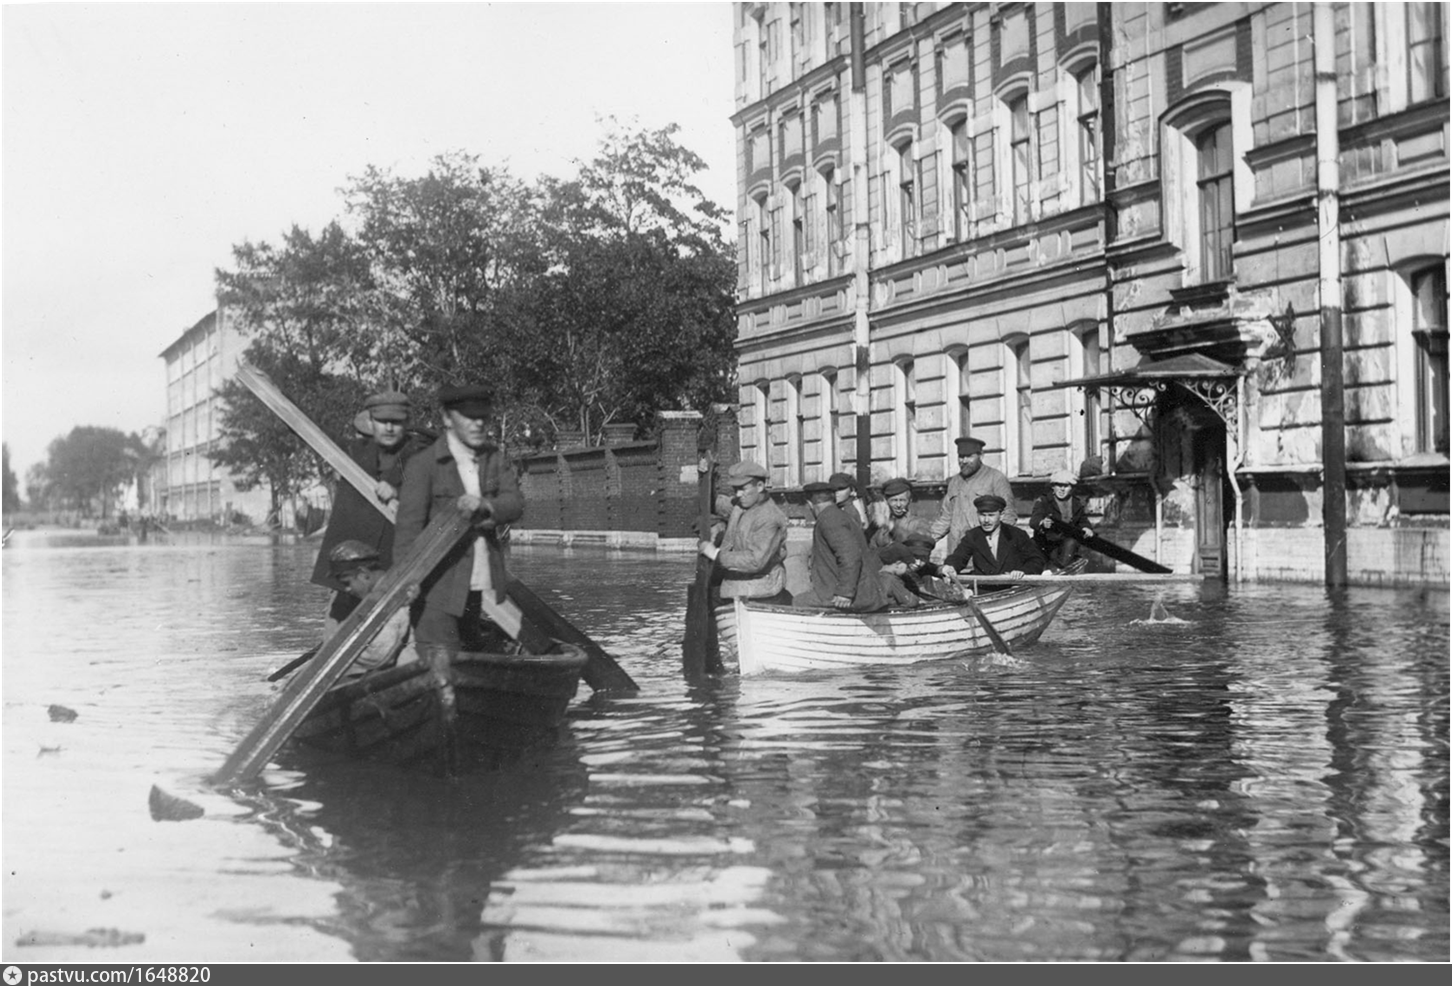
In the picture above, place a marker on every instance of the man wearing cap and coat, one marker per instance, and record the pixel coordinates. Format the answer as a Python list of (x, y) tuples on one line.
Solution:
[(898, 524), (993, 547), (958, 515), (465, 471), (843, 568), (1061, 504), (844, 491), (359, 568), (751, 560), (383, 455)]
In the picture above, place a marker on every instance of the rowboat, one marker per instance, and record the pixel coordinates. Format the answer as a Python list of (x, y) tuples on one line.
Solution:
[(760, 638), (478, 711)]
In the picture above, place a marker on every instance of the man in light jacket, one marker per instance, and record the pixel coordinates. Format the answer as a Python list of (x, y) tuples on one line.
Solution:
[(751, 560)]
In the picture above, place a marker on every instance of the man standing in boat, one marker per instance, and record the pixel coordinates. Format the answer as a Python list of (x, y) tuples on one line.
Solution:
[(993, 547), (751, 560), (843, 568), (465, 471), (974, 479), (383, 455)]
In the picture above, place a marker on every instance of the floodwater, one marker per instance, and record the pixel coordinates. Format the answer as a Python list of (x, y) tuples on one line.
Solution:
[(1180, 773)]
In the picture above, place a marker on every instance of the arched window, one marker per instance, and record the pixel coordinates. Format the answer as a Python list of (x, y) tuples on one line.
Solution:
[(795, 433), (763, 241), (1216, 200), (1020, 144), (1084, 404), (799, 231), (905, 418), (962, 180), (1086, 89), (907, 202), (1019, 419)]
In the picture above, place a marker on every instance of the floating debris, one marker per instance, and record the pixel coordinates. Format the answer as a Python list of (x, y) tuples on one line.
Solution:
[(59, 713), (169, 808), (91, 938)]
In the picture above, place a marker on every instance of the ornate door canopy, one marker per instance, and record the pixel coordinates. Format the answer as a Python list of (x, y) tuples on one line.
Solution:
[(1137, 388)]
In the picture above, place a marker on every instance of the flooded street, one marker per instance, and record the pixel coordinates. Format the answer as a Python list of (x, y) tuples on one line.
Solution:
[(1259, 774)]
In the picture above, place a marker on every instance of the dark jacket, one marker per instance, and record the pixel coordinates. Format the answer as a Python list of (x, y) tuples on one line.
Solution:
[(431, 484), (354, 518), (1016, 553), (842, 564), (1059, 548)]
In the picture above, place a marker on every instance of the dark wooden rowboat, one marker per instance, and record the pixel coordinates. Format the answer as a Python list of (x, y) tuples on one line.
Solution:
[(478, 711)]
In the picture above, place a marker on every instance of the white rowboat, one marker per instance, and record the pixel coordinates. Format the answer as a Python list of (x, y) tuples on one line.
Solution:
[(762, 638)]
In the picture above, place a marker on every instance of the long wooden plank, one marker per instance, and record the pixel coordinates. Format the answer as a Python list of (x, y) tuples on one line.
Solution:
[(398, 587), (505, 612), (1108, 548), (1088, 578), (601, 672)]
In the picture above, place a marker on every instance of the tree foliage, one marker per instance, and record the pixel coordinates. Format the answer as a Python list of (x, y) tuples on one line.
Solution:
[(600, 298), (86, 468), (11, 499)]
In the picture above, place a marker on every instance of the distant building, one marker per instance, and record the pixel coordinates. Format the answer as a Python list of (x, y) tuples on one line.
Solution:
[(193, 488), (1089, 233)]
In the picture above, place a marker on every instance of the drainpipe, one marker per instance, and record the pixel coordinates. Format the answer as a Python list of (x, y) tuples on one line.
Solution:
[(1234, 465), (862, 241), (1333, 406)]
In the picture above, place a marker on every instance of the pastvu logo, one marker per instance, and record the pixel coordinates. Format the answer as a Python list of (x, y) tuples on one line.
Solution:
[(12, 975)]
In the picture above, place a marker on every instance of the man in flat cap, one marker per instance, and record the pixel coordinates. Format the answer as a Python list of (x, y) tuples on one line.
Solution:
[(894, 524), (359, 568), (843, 568), (905, 566), (993, 547), (1060, 504), (463, 470), (958, 515), (846, 494), (382, 454), (751, 560)]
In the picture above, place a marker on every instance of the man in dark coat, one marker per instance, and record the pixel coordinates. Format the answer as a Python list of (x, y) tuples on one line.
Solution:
[(382, 455), (463, 470), (993, 547), (1060, 504), (843, 569)]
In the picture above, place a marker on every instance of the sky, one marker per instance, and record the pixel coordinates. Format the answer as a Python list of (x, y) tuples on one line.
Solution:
[(140, 142)]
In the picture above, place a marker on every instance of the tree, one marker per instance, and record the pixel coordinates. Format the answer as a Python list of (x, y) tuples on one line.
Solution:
[(88, 465), (11, 499), (38, 487)]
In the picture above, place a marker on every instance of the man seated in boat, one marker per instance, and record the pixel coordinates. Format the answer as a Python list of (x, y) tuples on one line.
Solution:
[(845, 493), (891, 523), (993, 547), (463, 470), (1060, 504), (751, 559), (906, 569), (843, 568), (358, 568), (384, 447)]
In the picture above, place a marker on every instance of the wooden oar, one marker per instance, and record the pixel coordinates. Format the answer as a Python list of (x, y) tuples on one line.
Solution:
[(1088, 578), (505, 611), (601, 672), (1107, 548), (293, 665), (696, 650), (398, 587), (994, 637)]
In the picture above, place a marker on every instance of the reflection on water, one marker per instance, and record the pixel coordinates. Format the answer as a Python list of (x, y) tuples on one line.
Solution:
[(1187, 773)]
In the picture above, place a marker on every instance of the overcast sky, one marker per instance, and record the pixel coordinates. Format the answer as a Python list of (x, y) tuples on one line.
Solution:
[(141, 142)]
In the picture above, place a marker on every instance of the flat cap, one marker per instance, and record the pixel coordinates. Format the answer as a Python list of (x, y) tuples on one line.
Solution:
[(1063, 477), (989, 502), (389, 405), (363, 423), (744, 472), (968, 446), (348, 555), (842, 481), (818, 487), (895, 486), (915, 541), (469, 399)]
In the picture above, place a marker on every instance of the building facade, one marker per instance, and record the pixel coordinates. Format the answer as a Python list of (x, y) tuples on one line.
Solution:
[(1096, 237), (193, 488)]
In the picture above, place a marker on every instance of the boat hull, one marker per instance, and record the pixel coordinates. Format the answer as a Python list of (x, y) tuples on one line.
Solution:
[(479, 710), (761, 638)]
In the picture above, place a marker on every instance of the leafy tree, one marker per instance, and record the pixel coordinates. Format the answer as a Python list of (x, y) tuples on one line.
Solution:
[(88, 465), (38, 487), (11, 499)]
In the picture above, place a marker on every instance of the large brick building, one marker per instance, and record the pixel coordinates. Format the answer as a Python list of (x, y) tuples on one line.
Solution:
[(1091, 232)]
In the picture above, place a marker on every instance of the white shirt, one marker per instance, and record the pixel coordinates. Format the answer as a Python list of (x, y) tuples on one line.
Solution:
[(466, 460)]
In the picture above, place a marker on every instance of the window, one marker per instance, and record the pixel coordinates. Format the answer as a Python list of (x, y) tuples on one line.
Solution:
[(794, 436), (831, 206), (962, 178), (799, 231), (777, 232), (828, 411), (799, 32), (1216, 195), (897, 94), (1429, 332), (907, 197), (791, 137), (1020, 158), (1087, 86), (824, 119), (1020, 417), (985, 189), (1426, 73), (952, 61), (758, 151), (763, 56), (959, 411), (905, 419), (761, 401), (1084, 402), (763, 241)]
